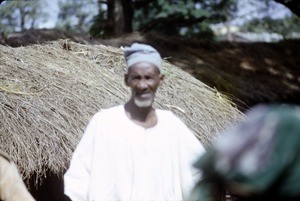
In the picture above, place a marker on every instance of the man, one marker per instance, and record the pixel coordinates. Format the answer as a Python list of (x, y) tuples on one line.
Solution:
[(12, 187), (257, 160), (134, 152)]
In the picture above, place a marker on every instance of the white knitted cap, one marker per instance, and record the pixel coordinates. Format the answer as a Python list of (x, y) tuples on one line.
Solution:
[(138, 52)]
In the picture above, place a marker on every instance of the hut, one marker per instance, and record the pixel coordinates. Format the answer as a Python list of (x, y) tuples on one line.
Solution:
[(49, 92)]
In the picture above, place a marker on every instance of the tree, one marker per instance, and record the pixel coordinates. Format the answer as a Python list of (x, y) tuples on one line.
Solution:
[(285, 27), (75, 15), (113, 21), (167, 16), (19, 15), (8, 19)]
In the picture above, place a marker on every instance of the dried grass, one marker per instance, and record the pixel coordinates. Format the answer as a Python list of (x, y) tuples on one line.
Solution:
[(49, 92)]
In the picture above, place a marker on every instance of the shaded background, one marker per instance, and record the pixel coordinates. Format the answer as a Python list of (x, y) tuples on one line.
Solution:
[(246, 49)]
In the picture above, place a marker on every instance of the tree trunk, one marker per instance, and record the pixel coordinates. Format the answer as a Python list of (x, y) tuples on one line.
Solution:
[(120, 14), (32, 23), (128, 15), (118, 18), (22, 19), (81, 20), (109, 27), (228, 28)]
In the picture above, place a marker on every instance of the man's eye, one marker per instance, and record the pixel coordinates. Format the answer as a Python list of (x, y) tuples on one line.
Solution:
[(136, 78)]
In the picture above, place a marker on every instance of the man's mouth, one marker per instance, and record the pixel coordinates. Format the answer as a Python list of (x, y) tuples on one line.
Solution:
[(144, 95)]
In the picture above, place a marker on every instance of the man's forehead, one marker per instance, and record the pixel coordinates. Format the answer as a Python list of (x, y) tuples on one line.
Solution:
[(143, 67)]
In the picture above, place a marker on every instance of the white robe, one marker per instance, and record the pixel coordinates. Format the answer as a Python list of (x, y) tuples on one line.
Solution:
[(118, 160)]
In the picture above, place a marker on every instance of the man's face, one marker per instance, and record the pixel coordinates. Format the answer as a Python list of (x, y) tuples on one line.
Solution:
[(143, 78)]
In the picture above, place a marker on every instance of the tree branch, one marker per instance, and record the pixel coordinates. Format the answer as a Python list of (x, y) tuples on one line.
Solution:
[(178, 21), (141, 4), (103, 2), (293, 5)]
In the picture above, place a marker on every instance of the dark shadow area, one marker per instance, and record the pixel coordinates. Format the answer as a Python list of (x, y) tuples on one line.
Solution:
[(248, 73), (50, 189)]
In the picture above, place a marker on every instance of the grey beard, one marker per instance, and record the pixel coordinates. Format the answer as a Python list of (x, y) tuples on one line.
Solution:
[(146, 103)]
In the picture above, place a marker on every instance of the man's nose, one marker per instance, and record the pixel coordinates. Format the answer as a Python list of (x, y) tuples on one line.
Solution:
[(142, 85)]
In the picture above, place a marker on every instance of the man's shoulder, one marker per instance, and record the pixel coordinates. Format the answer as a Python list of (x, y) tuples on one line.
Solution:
[(163, 112), (112, 109), (109, 112), (167, 115)]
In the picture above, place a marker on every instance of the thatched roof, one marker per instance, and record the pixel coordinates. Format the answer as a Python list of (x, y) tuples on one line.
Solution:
[(49, 92)]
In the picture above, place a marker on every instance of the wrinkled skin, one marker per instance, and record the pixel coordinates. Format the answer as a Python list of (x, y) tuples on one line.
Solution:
[(144, 79)]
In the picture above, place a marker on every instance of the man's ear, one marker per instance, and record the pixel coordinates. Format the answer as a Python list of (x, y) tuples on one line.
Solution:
[(126, 79), (162, 78)]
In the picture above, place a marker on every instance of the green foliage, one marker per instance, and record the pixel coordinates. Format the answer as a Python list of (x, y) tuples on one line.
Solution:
[(192, 15), (199, 31), (172, 16), (285, 27), (98, 29), (8, 18), (18, 15), (75, 15)]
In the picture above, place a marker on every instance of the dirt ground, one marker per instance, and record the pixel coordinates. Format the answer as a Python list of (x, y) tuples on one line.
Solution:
[(248, 73)]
